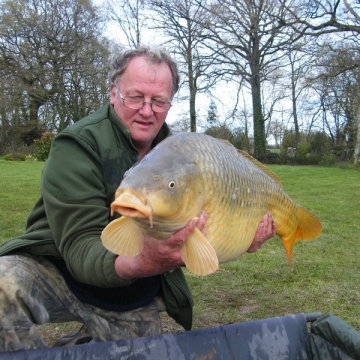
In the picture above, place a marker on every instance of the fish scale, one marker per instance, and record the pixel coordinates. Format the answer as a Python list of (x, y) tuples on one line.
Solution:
[(243, 224), (194, 172)]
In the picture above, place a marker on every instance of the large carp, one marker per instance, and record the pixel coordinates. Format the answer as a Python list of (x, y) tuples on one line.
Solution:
[(189, 172)]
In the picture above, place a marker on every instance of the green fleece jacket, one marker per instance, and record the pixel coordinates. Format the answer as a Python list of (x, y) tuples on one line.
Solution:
[(85, 167)]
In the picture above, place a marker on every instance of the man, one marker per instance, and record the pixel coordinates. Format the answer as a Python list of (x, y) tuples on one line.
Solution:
[(58, 271)]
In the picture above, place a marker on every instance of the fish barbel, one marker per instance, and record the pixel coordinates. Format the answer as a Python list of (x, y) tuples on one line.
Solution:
[(188, 172)]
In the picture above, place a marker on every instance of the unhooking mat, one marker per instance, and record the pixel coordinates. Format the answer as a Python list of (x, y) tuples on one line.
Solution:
[(292, 337)]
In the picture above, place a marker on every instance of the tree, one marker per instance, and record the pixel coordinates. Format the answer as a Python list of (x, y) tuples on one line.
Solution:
[(337, 80), (212, 116), (319, 17), (180, 21), (52, 51), (129, 16), (251, 38), (221, 132), (300, 59)]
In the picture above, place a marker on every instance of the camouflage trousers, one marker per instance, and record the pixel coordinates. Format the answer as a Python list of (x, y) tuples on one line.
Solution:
[(33, 291)]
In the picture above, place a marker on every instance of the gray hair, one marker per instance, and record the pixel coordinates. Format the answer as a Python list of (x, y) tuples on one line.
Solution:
[(153, 55)]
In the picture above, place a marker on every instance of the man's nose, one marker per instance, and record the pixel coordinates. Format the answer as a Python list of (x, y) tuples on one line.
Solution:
[(146, 109)]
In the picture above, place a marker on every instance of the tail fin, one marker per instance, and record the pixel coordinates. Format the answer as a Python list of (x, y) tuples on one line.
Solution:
[(309, 228)]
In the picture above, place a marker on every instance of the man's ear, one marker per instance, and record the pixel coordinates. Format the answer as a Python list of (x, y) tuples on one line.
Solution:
[(112, 93)]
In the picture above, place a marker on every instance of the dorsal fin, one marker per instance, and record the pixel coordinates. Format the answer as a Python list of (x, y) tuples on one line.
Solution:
[(262, 167)]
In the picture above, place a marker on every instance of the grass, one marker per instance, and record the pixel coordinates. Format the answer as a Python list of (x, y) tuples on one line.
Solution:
[(326, 270), (19, 189), (260, 285)]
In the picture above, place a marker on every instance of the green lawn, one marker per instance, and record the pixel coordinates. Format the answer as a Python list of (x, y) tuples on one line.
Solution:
[(19, 189), (260, 285), (326, 270)]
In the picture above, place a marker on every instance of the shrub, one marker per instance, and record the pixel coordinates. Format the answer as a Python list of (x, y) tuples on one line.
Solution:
[(15, 157), (9, 157), (328, 159), (270, 158), (42, 146), (356, 166), (320, 143), (303, 151)]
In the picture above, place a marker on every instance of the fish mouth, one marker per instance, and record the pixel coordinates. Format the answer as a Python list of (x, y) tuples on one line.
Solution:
[(133, 206)]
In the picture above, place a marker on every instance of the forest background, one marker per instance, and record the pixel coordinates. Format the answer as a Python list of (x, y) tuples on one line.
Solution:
[(263, 74)]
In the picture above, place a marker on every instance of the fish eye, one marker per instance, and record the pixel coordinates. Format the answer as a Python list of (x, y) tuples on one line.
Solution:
[(126, 173), (171, 184)]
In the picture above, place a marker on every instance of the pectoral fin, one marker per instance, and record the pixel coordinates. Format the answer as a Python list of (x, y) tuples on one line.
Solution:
[(123, 237), (198, 254)]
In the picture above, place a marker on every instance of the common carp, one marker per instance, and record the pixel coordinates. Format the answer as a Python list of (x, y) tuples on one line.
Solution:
[(188, 172)]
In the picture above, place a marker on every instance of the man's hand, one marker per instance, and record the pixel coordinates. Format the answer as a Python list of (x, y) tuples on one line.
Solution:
[(158, 256), (265, 231)]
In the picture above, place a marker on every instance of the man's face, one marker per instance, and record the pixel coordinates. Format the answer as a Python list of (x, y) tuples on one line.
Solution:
[(153, 82)]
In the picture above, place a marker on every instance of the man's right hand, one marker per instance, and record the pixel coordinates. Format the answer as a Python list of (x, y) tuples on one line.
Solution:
[(158, 256)]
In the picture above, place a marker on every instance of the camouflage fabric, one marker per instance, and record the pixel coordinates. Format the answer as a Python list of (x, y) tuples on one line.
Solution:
[(33, 291)]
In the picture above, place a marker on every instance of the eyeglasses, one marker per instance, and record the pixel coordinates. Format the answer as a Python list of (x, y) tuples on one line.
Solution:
[(137, 102)]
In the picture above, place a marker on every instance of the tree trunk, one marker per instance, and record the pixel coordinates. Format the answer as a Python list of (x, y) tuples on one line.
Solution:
[(294, 109), (34, 107), (357, 120), (192, 91), (258, 118)]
